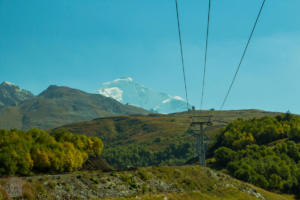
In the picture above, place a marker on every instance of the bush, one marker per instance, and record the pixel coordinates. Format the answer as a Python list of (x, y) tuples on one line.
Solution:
[(223, 156)]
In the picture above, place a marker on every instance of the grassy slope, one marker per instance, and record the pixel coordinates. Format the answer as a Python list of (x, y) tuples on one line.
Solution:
[(126, 130), (229, 194), (10, 117), (186, 182)]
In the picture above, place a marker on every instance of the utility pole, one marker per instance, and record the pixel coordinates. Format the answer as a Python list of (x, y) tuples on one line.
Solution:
[(198, 130)]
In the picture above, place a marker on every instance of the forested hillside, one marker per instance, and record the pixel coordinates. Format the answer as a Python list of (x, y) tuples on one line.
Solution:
[(35, 151), (264, 151)]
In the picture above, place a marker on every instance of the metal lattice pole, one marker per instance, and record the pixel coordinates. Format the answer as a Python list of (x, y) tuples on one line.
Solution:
[(199, 132)]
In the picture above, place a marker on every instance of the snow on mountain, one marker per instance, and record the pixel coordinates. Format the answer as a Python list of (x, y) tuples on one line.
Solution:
[(8, 83), (125, 90), (114, 92)]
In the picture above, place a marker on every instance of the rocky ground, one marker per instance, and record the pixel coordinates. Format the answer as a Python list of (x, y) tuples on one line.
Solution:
[(189, 182)]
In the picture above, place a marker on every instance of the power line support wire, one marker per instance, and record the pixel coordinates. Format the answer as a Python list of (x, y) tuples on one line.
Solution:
[(243, 56), (182, 55), (205, 56)]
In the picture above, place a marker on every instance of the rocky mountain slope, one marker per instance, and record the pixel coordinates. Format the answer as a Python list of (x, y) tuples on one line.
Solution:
[(12, 95), (185, 182), (61, 105), (126, 91)]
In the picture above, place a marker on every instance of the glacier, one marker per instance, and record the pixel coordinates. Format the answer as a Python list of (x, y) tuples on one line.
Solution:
[(127, 91)]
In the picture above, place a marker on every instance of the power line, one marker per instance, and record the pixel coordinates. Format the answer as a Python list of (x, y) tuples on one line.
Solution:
[(182, 55), (205, 56), (243, 56)]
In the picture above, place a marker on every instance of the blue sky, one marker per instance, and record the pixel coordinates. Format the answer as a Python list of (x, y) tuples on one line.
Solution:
[(83, 43)]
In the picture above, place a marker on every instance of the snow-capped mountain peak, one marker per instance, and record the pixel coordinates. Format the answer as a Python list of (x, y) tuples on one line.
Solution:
[(8, 83), (114, 92), (125, 90)]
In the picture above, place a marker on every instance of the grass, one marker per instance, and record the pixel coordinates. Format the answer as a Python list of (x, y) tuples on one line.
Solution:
[(165, 182), (28, 192), (3, 194), (228, 194), (195, 183)]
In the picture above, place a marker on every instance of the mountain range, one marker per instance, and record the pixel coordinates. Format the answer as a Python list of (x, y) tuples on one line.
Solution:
[(58, 105), (55, 106), (127, 91)]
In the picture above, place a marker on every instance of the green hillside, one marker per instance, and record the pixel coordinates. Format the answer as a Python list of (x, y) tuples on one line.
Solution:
[(258, 147), (264, 151), (186, 182), (154, 139)]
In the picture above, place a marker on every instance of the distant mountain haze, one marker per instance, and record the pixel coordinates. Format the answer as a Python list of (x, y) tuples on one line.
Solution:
[(126, 91), (56, 106)]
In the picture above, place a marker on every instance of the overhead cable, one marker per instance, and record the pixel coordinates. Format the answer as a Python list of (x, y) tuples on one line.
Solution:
[(181, 53), (205, 55), (243, 55)]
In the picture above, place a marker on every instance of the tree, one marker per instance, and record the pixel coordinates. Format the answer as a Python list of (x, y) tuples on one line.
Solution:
[(223, 156)]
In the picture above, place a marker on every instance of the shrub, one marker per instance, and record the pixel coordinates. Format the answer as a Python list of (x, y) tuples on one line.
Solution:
[(223, 156)]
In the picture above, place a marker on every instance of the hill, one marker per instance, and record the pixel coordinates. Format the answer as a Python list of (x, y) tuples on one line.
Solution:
[(187, 182), (57, 106), (154, 139)]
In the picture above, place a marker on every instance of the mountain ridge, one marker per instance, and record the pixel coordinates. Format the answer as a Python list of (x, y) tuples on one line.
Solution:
[(59, 105)]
